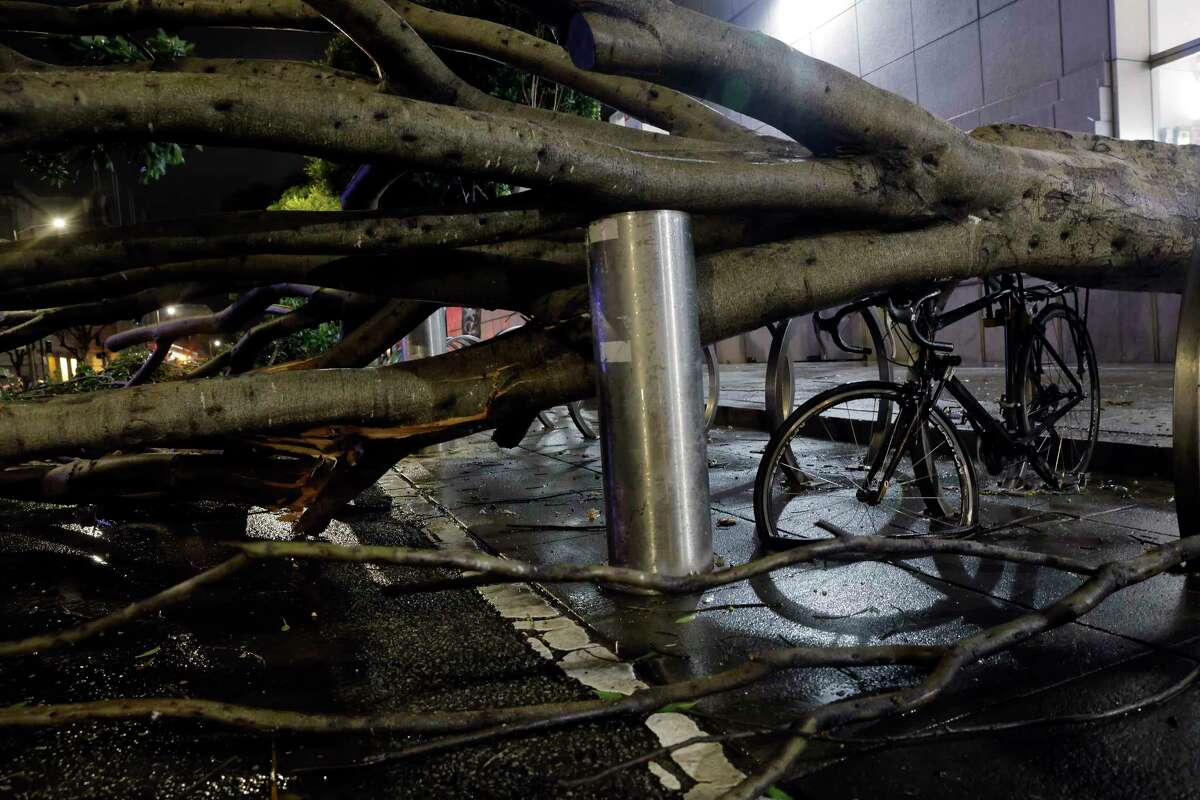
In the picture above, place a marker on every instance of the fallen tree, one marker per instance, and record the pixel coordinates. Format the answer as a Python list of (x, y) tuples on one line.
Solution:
[(874, 194)]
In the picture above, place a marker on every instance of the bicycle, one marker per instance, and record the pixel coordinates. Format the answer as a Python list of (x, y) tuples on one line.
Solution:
[(883, 457)]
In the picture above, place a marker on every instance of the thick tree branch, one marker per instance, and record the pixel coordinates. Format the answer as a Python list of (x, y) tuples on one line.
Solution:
[(145, 373), (662, 107), (273, 482), (295, 71), (381, 330), (823, 107), (324, 306), (474, 389), (93, 253), (37, 324), (657, 105), (122, 16), (40, 110)]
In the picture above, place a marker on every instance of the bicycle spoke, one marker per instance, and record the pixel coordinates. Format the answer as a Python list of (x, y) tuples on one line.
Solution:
[(827, 482)]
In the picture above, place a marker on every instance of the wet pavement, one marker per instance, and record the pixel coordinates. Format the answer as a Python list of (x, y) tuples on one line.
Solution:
[(323, 637), (310, 637), (542, 502)]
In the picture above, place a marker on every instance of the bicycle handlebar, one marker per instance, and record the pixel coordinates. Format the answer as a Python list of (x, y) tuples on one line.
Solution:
[(911, 308), (910, 312), (832, 326)]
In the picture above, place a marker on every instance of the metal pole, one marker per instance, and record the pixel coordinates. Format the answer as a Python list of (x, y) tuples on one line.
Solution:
[(429, 338), (642, 276), (1186, 410)]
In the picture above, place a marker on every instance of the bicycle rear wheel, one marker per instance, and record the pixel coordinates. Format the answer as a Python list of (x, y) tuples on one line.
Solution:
[(1061, 385), (816, 463)]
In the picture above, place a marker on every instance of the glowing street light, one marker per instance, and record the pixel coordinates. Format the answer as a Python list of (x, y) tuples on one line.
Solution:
[(217, 343), (59, 224), (171, 311)]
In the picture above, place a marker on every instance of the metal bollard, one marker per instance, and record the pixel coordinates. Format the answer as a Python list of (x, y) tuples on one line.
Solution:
[(429, 338), (642, 278)]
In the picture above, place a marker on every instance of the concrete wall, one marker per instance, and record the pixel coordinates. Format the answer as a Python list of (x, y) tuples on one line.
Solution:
[(972, 62)]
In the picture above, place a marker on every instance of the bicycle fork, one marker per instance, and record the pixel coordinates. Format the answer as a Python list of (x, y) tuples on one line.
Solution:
[(886, 459)]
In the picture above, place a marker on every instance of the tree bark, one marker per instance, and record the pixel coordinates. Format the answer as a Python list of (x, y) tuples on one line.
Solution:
[(44, 111), (896, 199)]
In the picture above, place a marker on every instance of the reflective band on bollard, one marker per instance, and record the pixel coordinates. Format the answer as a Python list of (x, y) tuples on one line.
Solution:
[(642, 278), (429, 338)]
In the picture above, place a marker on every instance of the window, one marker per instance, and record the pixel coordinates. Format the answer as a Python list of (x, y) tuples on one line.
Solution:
[(1172, 23), (1175, 40)]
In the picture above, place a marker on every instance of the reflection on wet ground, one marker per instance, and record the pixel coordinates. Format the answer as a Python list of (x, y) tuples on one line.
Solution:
[(1138, 643), (326, 638), (300, 636)]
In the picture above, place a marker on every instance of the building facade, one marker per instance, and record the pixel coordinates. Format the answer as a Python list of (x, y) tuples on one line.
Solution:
[(1128, 68)]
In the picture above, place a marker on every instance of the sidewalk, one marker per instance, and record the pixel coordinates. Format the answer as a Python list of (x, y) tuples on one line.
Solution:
[(1135, 405), (334, 637), (542, 502)]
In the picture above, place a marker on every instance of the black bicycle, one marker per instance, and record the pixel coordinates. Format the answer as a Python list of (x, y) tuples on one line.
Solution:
[(884, 458)]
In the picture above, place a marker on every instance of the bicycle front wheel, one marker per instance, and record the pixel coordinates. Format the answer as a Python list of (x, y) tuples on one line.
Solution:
[(1060, 409), (816, 464)]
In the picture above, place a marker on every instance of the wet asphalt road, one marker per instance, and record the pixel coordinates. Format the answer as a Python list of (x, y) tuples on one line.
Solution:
[(310, 637)]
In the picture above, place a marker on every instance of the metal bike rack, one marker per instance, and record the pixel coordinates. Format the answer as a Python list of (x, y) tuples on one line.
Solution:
[(1186, 413), (781, 382), (642, 275)]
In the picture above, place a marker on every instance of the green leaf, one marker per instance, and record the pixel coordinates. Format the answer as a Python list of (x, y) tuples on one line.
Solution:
[(775, 793), (686, 618), (670, 708), (609, 696), (149, 652), (285, 627)]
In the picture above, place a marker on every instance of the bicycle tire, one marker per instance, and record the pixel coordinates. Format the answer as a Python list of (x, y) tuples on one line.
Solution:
[(1058, 328), (582, 423), (822, 458)]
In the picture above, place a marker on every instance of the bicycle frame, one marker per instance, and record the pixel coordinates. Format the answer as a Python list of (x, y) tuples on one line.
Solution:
[(933, 374)]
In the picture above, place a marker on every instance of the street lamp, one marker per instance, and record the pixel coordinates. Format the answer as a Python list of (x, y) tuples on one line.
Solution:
[(170, 311), (59, 224)]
